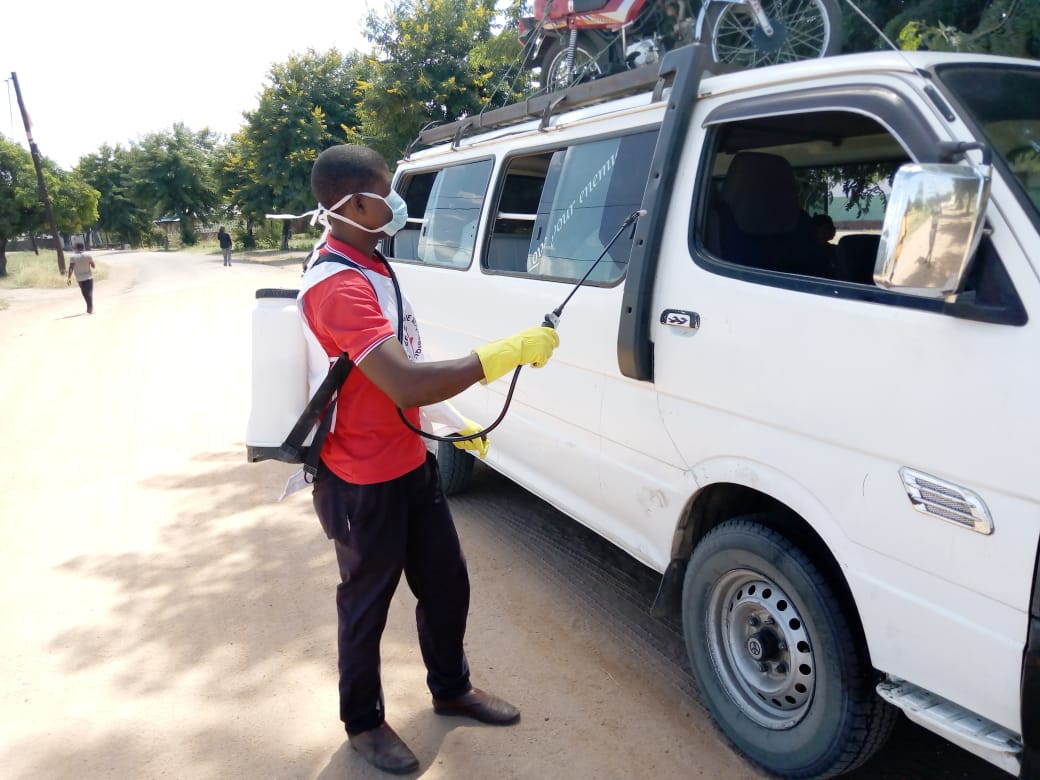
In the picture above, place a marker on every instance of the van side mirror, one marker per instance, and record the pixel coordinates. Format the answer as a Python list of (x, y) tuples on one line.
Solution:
[(932, 228)]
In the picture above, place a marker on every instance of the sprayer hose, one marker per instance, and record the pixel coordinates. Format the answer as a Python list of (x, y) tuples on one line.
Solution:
[(479, 434)]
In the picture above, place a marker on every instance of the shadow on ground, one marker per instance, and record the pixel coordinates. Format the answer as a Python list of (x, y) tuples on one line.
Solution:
[(225, 600), (597, 580), (229, 587)]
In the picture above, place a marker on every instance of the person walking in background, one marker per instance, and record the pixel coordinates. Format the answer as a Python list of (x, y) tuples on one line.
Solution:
[(82, 264), (225, 245)]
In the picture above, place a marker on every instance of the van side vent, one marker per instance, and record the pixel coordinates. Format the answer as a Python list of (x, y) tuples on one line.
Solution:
[(938, 498)]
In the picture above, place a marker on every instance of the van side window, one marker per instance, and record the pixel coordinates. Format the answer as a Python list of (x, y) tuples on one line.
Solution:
[(801, 194), (557, 210), (443, 214), (416, 193), (799, 199)]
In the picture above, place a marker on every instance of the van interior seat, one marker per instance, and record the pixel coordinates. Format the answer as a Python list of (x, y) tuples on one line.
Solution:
[(508, 252), (406, 244), (760, 220), (856, 257)]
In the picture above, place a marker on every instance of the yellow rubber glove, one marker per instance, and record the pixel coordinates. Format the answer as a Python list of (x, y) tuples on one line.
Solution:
[(479, 446), (533, 346)]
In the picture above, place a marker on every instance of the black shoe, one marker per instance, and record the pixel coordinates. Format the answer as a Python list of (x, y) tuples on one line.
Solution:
[(383, 749), (480, 706)]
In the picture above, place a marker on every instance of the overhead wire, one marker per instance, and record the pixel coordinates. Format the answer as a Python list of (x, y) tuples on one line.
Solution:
[(521, 62)]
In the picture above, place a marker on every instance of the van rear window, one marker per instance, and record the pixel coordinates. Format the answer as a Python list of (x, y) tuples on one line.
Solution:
[(443, 213), (558, 209)]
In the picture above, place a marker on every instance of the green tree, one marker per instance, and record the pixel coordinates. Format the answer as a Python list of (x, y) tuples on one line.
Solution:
[(438, 61), (110, 172), (74, 201), (173, 177), (243, 194), (859, 36), (20, 207), (309, 104), (1010, 27)]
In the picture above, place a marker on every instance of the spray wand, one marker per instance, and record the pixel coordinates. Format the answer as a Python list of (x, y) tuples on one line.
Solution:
[(552, 319)]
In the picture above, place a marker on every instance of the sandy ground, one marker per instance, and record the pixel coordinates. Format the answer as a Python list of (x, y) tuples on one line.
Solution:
[(164, 617)]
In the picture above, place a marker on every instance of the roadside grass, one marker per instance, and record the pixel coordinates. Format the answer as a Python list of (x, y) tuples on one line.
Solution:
[(27, 269)]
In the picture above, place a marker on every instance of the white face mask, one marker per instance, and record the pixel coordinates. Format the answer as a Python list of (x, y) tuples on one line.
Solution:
[(394, 201)]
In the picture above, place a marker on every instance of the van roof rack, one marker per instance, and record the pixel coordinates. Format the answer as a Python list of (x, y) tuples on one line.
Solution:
[(629, 82)]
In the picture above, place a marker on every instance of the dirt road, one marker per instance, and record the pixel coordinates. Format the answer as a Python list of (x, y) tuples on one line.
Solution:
[(164, 617)]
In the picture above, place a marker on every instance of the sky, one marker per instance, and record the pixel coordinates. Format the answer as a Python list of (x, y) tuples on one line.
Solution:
[(111, 71)]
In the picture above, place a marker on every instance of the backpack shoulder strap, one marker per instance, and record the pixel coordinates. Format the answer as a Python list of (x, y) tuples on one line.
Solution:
[(293, 449)]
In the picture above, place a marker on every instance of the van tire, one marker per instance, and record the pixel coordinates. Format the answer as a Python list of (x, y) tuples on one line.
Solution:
[(456, 468), (779, 664)]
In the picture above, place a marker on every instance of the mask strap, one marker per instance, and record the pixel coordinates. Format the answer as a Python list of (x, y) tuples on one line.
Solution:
[(323, 216), (320, 215)]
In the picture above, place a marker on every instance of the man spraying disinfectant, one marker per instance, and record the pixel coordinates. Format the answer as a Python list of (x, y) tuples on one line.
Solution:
[(377, 490)]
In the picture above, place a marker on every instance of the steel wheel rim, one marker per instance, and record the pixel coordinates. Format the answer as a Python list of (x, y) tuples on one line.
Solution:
[(559, 78), (803, 25), (760, 649)]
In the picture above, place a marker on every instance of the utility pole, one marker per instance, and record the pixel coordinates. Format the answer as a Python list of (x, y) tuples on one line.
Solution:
[(40, 183)]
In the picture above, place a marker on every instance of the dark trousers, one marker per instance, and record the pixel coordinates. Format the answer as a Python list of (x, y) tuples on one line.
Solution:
[(380, 531), (87, 288)]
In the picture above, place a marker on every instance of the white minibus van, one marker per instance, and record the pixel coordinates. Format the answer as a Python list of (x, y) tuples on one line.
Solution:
[(823, 446)]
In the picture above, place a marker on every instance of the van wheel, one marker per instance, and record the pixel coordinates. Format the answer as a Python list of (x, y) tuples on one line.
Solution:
[(777, 660), (456, 468)]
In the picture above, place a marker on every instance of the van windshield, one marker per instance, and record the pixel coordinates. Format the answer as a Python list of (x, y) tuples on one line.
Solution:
[(1004, 101)]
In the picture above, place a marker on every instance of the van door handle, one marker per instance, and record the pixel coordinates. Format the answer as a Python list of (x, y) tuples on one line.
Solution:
[(680, 318)]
